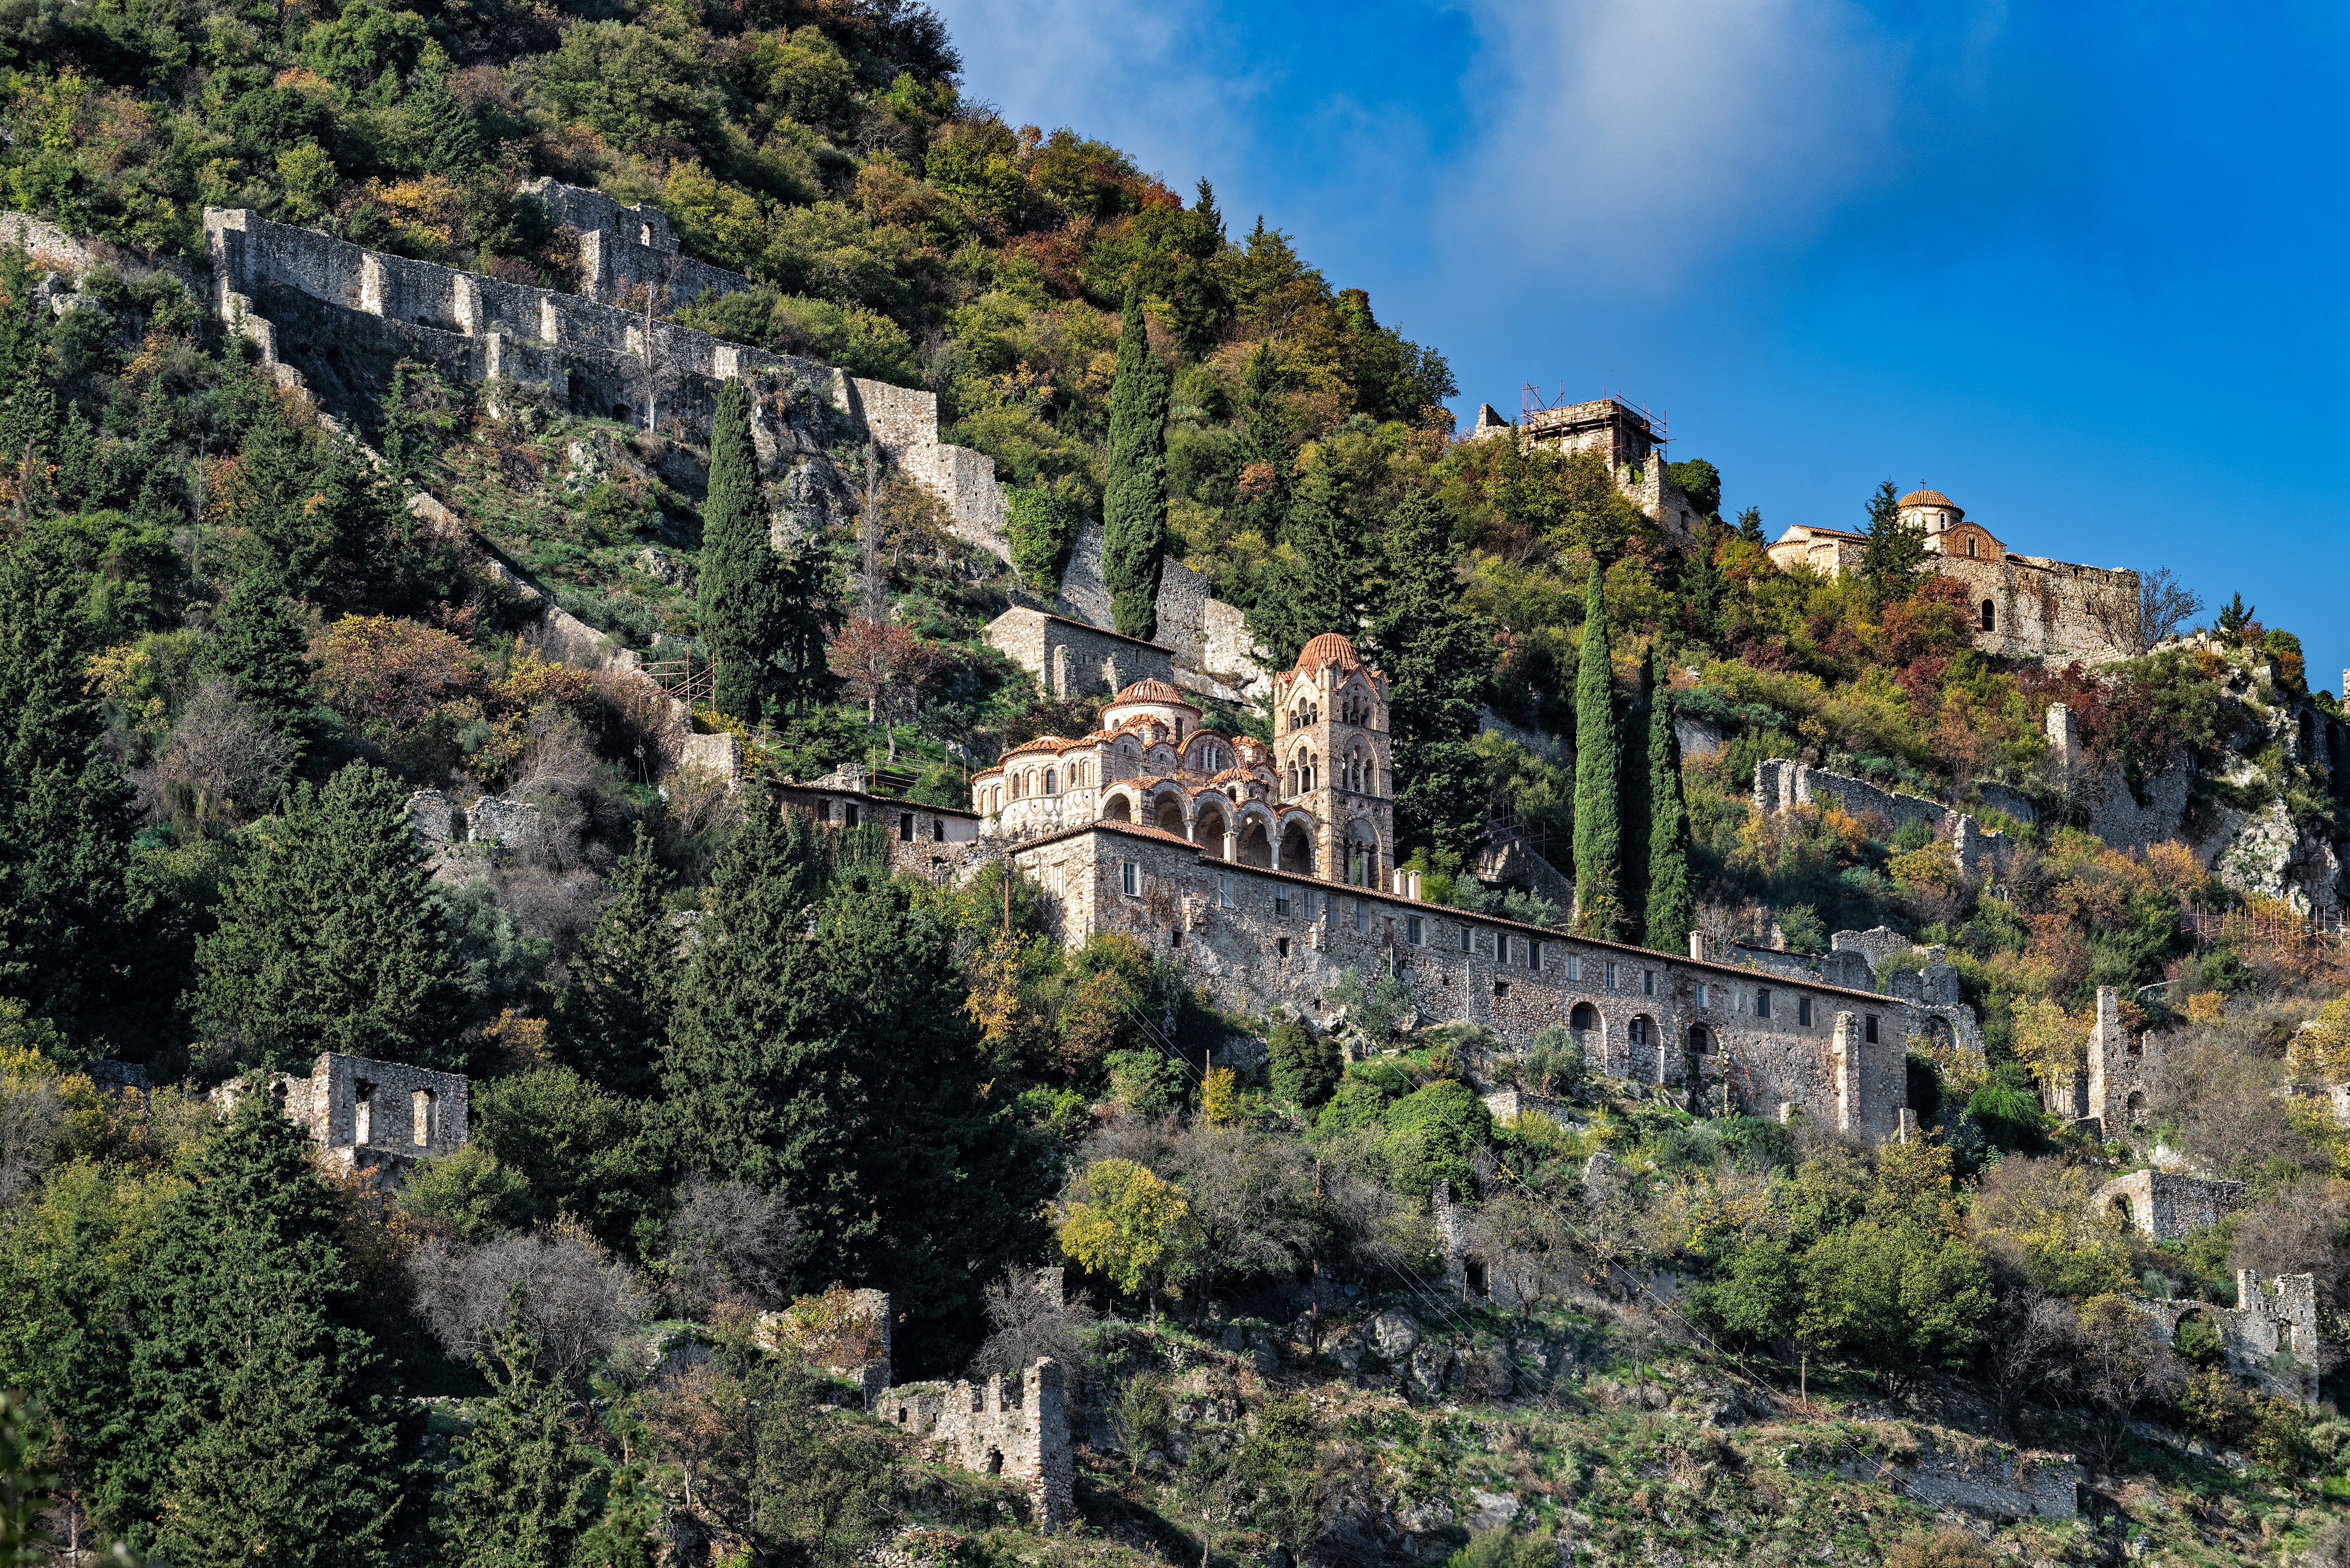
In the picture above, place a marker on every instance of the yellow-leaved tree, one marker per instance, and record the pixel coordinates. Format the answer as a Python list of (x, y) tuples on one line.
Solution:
[(2054, 1043), (1123, 1222)]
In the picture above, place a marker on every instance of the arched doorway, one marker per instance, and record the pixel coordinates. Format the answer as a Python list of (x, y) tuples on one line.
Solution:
[(1255, 848), (1117, 809), (1298, 849), (1169, 818), (1582, 1019)]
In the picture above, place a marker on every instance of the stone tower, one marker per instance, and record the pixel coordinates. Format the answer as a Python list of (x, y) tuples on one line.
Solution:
[(1330, 744)]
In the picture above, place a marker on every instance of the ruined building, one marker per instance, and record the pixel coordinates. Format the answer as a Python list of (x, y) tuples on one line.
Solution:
[(2025, 607), (1626, 437), (379, 1115)]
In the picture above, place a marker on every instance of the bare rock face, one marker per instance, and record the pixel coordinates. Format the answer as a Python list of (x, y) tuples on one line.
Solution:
[(1394, 1336), (431, 819), (1426, 1372), (661, 567), (2271, 858)]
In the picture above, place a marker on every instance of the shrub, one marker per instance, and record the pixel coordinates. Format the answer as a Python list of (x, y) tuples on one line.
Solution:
[(1949, 1547), (1431, 1132), (1147, 1081), (1553, 1063), (1304, 1067), (1044, 526)]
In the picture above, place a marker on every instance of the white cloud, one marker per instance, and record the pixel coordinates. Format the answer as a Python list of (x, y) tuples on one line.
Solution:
[(1634, 141)]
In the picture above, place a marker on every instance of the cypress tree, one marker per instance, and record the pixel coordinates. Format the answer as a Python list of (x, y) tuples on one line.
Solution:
[(158, 504), (1632, 808), (1438, 657), (1598, 760), (760, 614), (243, 1411), (81, 477), (1134, 501), (1264, 446), (515, 1499), (1892, 550), (260, 648), (1671, 911), (327, 940), (610, 1026)]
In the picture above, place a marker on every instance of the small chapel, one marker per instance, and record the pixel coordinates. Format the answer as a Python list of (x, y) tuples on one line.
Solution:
[(1319, 801)]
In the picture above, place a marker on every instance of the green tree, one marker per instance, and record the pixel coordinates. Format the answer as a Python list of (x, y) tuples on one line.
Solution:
[(1324, 588), (515, 1495), (327, 940), (1437, 654), (80, 936), (839, 1066), (260, 648), (240, 1411), (1597, 763), (1892, 551), (1268, 468), (742, 576), (1701, 482), (611, 1024), (1750, 524), (579, 1151), (1900, 1297), (1303, 1066), (1134, 499), (1671, 906)]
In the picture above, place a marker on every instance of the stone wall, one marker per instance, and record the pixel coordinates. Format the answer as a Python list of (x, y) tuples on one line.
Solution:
[(2164, 1205), (365, 1112), (333, 315), (2270, 1337), (1260, 940), (940, 843), (1782, 783), (1207, 639), (2040, 609), (1019, 1429), (1068, 657)]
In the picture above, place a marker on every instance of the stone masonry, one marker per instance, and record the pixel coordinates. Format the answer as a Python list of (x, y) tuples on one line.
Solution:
[(1782, 784), (2163, 1205), (320, 308), (2270, 1337), (1070, 657), (1261, 938), (375, 1114), (1019, 1428)]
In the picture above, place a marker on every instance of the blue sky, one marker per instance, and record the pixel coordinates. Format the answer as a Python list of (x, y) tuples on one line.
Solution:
[(2079, 265)]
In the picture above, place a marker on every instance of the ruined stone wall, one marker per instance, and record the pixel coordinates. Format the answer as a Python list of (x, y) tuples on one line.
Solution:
[(1782, 783), (360, 1108), (2164, 1205), (1261, 939), (2270, 1337), (940, 844), (1068, 657), (1021, 1430), (330, 314)]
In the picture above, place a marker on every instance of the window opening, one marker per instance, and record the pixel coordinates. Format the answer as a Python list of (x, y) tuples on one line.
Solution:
[(905, 827), (1411, 929), (1803, 1011), (1762, 1001), (1868, 1028), (1130, 878)]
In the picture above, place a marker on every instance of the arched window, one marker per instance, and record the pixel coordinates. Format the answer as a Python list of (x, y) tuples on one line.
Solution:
[(1585, 1018), (1050, 786), (1990, 616)]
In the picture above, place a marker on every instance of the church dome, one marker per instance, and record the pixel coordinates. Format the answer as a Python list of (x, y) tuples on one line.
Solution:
[(1150, 691), (1330, 648), (1929, 498)]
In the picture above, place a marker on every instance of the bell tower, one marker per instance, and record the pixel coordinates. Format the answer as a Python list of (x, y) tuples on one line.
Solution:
[(1331, 751)]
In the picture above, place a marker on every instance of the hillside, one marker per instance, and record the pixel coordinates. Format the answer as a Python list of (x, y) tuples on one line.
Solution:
[(439, 1123)]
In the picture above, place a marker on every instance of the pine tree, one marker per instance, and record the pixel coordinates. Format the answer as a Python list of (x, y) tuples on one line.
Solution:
[(611, 1025), (1134, 501), (241, 1408), (1438, 657), (1750, 524), (78, 939), (327, 940), (1598, 761), (1893, 550), (453, 142), (260, 648), (1701, 581), (1671, 905), (276, 471), (1324, 588), (158, 504), (515, 1496), (81, 477), (839, 1066)]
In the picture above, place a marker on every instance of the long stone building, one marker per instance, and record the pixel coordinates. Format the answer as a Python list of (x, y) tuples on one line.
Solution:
[(2024, 606), (1268, 874)]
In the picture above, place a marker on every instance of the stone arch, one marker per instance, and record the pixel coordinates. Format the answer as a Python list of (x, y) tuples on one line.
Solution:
[(1298, 849), (1935, 1030), (1583, 1019), (622, 414), (1209, 825), (2121, 1209), (2134, 1108), (1363, 853), (1990, 616), (1117, 808), (1166, 816), (1255, 848)]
